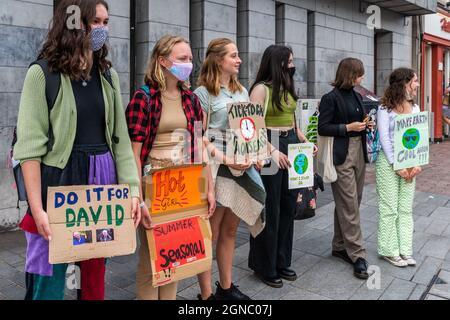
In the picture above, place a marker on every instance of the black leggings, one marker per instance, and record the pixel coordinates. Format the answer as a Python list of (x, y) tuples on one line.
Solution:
[(272, 248)]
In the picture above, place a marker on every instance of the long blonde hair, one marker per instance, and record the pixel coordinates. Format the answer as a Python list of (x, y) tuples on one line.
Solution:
[(210, 71), (154, 72)]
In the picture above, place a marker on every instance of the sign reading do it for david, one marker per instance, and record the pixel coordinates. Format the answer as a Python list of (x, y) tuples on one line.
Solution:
[(301, 173), (411, 141), (90, 222)]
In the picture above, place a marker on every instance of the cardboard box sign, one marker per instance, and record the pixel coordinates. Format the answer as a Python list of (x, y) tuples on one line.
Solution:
[(249, 139), (90, 222), (178, 190), (411, 141), (179, 249)]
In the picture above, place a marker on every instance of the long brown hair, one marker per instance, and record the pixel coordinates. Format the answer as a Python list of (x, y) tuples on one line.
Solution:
[(274, 70), (395, 94), (348, 71), (210, 71), (154, 72), (66, 50)]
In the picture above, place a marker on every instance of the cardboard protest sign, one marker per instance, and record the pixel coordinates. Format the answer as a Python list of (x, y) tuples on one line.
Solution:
[(307, 117), (90, 222), (172, 192), (301, 173), (249, 135), (180, 244), (411, 140), (179, 249)]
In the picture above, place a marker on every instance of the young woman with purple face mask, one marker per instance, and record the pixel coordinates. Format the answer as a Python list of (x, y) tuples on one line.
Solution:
[(159, 116)]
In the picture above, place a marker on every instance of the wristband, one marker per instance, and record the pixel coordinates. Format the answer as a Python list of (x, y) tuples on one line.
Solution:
[(142, 204)]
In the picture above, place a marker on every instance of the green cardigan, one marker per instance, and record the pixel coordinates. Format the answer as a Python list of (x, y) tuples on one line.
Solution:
[(33, 123)]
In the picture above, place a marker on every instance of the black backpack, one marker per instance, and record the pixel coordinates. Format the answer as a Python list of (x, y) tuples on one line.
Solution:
[(52, 85)]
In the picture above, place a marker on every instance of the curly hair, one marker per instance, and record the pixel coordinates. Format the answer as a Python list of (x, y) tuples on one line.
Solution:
[(67, 50), (396, 94)]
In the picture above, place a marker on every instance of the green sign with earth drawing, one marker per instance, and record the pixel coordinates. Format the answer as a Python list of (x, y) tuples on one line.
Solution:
[(411, 140), (301, 172)]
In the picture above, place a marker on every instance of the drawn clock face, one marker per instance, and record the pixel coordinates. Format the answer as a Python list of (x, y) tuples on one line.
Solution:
[(248, 128)]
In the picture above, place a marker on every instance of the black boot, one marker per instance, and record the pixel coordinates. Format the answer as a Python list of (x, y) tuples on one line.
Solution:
[(287, 274), (274, 282), (342, 254), (360, 269), (233, 293)]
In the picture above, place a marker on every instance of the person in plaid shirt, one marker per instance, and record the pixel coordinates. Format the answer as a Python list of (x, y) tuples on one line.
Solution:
[(164, 120)]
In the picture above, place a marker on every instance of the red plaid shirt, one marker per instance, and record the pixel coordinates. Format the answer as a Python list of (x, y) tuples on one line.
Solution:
[(143, 118)]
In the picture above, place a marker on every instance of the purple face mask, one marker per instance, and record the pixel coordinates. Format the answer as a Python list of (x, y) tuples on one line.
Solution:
[(98, 37), (181, 71)]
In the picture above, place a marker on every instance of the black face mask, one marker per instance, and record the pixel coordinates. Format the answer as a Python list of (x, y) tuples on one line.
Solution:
[(292, 71)]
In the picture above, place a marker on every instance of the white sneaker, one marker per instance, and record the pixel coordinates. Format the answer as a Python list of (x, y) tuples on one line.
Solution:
[(396, 261), (409, 260)]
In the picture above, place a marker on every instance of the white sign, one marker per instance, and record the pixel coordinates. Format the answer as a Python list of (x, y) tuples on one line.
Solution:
[(301, 173), (437, 25), (305, 109)]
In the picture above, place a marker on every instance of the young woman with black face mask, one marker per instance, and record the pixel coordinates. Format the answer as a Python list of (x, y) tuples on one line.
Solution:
[(271, 251)]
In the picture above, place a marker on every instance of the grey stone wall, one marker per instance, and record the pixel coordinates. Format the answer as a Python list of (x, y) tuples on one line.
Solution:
[(23, 27), (120, 43), (156, 18)]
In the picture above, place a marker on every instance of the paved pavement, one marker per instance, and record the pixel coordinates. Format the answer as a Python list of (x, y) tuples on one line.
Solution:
[(321, 276)]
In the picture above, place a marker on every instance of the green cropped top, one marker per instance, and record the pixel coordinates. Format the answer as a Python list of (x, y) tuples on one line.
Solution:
[(281, 118)]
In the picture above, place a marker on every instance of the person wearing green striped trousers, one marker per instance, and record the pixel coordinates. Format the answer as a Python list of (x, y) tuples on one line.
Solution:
[(395, 189)]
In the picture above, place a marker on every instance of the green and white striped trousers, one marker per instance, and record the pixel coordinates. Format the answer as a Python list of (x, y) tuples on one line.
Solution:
[(395, 208)]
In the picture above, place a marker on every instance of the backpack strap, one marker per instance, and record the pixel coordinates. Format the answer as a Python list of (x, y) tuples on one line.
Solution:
[(52, 85), (146, 89), (52, 82), (108, 77)]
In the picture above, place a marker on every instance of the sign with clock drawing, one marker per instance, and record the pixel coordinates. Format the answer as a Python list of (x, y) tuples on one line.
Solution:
[(247, 138)]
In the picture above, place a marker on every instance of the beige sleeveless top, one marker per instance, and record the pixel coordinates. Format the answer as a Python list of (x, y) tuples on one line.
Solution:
[(169, 146)]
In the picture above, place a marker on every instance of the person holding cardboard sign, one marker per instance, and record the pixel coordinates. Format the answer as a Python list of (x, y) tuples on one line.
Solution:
[(239, 189), (83, 140), (396, 189), (271, 251), (162, 118)]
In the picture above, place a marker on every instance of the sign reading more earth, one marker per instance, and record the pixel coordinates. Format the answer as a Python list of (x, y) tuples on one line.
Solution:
[(301, 173), (90, 222), (411, 141), (249, 134)]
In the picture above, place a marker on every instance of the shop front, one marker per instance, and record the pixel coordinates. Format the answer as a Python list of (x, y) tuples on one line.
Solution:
[(435, 73)]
